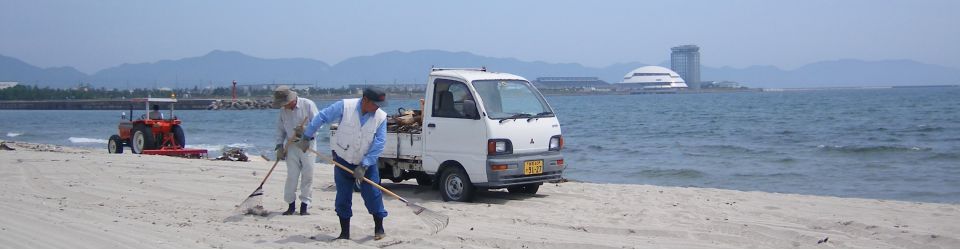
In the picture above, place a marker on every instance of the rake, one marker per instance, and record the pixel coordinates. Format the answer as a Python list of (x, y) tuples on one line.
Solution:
[(254, 202), (434, 221)]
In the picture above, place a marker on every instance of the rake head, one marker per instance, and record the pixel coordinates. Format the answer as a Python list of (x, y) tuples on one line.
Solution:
[(434, 221), (252, 205)]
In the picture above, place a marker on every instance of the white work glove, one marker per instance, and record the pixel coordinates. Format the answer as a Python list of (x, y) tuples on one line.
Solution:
[(298, 132), (359, 173), (304, 143)]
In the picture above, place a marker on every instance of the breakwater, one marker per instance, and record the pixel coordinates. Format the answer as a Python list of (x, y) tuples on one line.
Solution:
[(182, 104), (241, 104)]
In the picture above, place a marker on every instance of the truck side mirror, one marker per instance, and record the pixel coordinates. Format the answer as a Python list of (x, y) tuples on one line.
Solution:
[(470, 109)]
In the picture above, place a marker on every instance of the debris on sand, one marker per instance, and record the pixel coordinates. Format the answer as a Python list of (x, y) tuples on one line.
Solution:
[(824, 240), (43, 147), (233, 154), (3, 146), (257, 210)]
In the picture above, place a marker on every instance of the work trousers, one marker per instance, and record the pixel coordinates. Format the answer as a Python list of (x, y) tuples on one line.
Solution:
[(299, 167), (372, 197)]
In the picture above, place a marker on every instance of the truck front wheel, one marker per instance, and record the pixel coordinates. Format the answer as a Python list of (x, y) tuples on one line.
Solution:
[(455, 185)]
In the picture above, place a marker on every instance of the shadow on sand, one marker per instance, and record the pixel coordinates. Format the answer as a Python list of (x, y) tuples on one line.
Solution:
[(303, 239), (241, 217), (417, 193)]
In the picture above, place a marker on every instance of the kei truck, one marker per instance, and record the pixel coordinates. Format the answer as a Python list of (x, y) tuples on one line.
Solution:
[(475, 130)]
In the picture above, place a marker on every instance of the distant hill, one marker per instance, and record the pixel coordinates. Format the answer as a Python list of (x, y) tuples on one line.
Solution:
[(216, 67), (220, 67), (839, 73), (12, 69), (414, 66)]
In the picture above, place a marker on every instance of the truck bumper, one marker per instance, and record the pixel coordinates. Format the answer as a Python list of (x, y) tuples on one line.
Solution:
[(513, 175)]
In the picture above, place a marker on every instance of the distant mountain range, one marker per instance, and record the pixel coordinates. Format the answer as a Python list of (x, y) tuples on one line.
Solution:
[(12, 69), (218, 68)]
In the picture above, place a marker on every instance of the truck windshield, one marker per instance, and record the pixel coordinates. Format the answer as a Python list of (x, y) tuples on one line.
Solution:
[(504, 99)]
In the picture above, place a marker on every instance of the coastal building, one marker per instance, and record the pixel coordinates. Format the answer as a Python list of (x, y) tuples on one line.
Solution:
[(721, 85), (418, 87), (685, 60), (652, 78), (4, 85), (570, 82)]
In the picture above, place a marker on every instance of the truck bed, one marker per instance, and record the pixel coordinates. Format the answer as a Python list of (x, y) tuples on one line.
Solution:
[(410, 146)]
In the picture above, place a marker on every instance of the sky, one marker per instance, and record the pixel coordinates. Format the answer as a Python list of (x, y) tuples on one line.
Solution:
[(94, 35)]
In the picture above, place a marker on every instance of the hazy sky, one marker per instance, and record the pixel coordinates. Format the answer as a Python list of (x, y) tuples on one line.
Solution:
[(93, 35)]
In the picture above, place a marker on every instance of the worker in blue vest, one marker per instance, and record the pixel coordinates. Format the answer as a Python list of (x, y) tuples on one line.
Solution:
[(357, 144)]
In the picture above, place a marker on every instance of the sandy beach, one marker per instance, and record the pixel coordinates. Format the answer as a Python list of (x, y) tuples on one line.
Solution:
[(59, 197)]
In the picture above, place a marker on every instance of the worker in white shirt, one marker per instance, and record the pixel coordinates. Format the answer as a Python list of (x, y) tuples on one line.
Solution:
[(293, 111)]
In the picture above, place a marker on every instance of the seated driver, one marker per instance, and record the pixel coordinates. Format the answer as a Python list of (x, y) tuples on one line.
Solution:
[(155, 114)]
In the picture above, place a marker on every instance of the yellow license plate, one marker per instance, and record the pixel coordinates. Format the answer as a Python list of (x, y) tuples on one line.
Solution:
[(533, 167)]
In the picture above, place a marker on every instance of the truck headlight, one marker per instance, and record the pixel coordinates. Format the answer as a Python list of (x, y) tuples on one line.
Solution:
[(556, 143), (499, 147)]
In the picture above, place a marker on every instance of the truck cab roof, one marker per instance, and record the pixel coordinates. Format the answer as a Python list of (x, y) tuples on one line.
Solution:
[(470, 75)]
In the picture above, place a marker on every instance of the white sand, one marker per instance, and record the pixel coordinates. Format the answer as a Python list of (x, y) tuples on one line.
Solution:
[(72, 198)]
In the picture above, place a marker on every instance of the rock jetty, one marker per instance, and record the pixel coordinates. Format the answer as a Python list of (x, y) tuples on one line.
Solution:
[(241, 104)]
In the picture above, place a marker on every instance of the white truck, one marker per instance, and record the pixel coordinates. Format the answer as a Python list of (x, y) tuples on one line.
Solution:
[(478, 129)]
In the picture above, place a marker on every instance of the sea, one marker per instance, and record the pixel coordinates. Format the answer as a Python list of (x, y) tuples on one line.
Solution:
[(889, 143)]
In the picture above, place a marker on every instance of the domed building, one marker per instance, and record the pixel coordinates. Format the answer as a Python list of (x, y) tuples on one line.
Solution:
[(653, 78)]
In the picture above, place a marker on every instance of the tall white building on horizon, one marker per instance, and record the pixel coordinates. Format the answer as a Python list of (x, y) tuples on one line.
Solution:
[(685, 60)]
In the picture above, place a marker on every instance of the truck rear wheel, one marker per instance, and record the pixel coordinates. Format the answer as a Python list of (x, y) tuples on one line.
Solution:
[(525, 188), (115, 145), (455, 185)]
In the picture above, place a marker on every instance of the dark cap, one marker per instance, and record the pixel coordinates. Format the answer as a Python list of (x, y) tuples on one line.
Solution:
[(375, 95)]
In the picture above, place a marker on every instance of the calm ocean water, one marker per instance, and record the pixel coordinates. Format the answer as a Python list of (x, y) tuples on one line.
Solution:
[(901, 144)]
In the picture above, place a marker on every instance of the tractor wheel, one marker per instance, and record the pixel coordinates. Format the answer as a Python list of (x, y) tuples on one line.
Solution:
[(178, 136), (115, 145), (142, 139)]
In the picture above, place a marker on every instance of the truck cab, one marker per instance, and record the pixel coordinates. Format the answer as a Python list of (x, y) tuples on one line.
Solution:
[(477, 129)]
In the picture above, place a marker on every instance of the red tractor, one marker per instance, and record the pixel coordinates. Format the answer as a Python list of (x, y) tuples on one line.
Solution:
[(153, 133)]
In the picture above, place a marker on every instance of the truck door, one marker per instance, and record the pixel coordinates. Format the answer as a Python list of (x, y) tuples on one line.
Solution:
[(453, 132)]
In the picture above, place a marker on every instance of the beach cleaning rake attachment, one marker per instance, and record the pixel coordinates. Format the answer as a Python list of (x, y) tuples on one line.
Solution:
[(434, 221)]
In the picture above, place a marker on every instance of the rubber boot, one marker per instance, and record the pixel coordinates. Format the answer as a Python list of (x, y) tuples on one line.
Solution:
[(303, 209), (378, 232), (291, 208), (344, 229)]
